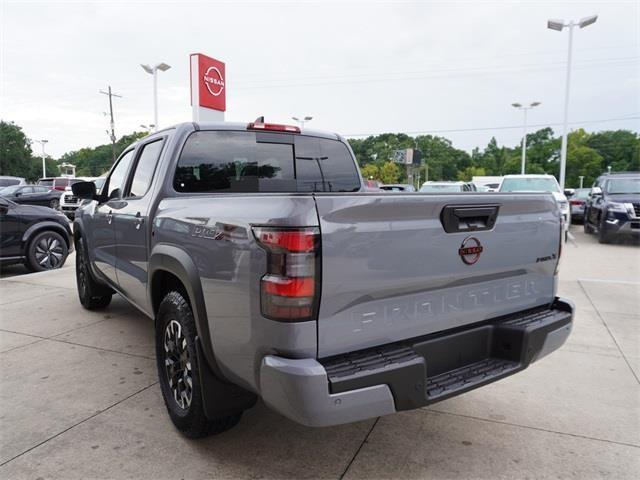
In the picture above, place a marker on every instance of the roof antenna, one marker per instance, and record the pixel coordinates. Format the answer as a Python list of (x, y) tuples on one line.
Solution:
[(259, 120)]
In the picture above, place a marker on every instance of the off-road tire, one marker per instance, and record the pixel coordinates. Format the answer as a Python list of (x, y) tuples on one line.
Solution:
[(175, 343), (47, 250), (92, 295)]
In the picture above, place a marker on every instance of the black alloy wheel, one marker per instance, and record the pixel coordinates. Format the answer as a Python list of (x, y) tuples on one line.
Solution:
[(177, 364), (47, 251)]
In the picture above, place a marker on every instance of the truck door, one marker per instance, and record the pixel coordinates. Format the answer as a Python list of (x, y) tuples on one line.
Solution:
[(132, 226), (102, 243)]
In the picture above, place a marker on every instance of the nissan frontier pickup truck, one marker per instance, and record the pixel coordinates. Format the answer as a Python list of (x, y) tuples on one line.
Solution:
[(270, 273)]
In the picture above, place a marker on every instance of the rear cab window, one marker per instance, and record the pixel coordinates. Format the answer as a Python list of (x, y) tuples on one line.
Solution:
[(245, 161)]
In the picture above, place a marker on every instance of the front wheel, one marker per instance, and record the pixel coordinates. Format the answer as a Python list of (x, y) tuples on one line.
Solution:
[(178, 370), (47, 251), (603, 237), (588, 229), (92, 295)]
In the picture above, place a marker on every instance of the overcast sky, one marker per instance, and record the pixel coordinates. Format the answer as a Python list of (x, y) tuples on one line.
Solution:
[(357, 67)]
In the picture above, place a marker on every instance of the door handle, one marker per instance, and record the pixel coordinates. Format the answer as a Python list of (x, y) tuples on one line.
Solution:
[(109, 217), (139, 221)]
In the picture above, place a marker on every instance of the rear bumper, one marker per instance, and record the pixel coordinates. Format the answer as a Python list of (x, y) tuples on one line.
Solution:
[(412, 373)]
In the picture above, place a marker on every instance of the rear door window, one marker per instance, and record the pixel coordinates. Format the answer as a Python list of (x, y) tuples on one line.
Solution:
[(231, 161)]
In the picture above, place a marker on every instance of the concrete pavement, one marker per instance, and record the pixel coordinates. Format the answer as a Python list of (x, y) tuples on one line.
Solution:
[(79, 399)]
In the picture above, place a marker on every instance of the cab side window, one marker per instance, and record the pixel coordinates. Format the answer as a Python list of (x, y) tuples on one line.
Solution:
[(118, 176), (143, 172)]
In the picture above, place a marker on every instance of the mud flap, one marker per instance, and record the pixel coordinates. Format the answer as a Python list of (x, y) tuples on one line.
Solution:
[(220, 398)]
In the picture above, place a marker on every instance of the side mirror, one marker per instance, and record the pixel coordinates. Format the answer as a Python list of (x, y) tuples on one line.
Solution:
[(596, 191), (17, 194), (84, 190)]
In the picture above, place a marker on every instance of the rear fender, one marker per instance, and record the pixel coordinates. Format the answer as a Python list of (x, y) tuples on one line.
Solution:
[(220, 397)]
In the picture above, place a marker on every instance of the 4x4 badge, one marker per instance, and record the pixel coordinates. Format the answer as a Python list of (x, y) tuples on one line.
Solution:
[(470, 250)]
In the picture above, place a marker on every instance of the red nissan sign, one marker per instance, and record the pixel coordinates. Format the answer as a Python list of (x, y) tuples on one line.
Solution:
[(211, 82)]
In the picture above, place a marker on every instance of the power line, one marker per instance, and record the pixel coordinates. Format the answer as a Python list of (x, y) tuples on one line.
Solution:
[(505, 127), (434, 73), (113, 132)]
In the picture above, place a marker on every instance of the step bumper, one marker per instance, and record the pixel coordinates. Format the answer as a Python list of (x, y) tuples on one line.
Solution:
[(412, 373)]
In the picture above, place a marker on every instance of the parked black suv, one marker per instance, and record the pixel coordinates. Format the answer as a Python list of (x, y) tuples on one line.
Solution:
[(37, 236), (614, 206)]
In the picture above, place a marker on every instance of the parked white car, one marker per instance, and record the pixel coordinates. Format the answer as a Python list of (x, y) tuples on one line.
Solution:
[(69, 202), (539, 183)]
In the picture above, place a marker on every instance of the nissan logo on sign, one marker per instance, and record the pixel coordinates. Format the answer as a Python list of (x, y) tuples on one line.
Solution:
[(208, 83), (214, 81)]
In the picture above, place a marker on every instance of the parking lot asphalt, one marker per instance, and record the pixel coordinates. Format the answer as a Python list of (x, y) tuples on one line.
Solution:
[(79, 399)]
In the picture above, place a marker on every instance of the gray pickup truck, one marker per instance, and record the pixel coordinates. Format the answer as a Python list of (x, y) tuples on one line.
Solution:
[(270, 273)]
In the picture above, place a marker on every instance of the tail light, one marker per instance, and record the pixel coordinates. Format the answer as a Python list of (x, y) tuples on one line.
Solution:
[(290, 290), (576, 202)]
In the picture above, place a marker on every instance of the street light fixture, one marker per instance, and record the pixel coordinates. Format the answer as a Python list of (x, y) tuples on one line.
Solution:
[(154, 71), (559, 25), (519, 106), (44, 156), (302, 121)]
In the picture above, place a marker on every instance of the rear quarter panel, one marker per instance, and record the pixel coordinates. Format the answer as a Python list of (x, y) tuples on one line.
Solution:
[(215, 230)]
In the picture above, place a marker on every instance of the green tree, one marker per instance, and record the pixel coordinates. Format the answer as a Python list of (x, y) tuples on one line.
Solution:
[(96, 161), (619, 149), (468, 173), (370, 171), (389, 173), (15, 152)]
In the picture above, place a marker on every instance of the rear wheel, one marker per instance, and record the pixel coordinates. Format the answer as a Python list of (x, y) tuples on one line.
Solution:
[(92, 295), (46, 251), (178, 370)]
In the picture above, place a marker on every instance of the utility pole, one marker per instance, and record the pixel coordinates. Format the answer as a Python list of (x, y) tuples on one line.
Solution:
[(581, 177), (113, 133)]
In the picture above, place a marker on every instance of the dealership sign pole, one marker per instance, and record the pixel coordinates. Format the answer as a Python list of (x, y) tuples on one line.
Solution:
[(208, 89)]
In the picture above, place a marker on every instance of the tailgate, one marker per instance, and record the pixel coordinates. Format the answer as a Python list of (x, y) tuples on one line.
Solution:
[(390, 271)]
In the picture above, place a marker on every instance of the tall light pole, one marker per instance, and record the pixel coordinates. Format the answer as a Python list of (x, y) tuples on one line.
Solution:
[(524, 108), (302, 121), (154, 71), (559, 25), (44, 156)]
